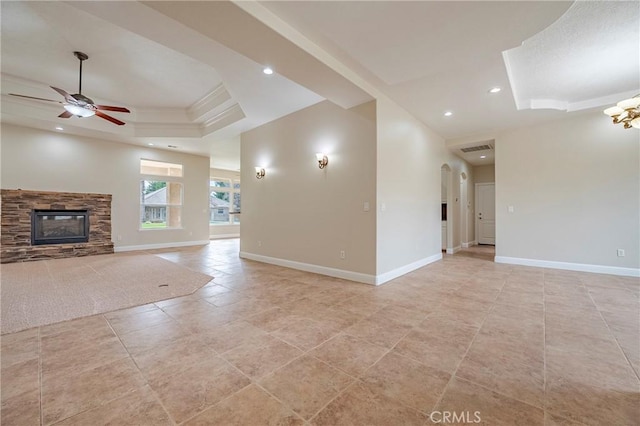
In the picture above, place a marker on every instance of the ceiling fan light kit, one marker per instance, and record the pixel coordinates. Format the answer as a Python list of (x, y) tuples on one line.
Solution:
[(78, 111), (79, 105)]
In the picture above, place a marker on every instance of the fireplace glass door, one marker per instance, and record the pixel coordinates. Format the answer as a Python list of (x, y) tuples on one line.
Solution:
[(59, 227)]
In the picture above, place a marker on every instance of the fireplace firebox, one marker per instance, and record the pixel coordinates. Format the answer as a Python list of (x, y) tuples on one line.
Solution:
[(59, 226)]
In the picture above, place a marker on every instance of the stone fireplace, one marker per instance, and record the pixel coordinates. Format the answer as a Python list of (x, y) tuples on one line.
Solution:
[(51, 225)]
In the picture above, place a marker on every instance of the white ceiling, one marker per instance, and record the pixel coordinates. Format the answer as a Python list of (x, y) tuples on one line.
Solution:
[(38, 45), (183, 88), (191, 71), (588, 58)]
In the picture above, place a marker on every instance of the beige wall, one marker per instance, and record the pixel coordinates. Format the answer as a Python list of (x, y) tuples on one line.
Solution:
[(484, 174), (300, 213), (40, 160), (574, 186), (224, 231), (410, 158)]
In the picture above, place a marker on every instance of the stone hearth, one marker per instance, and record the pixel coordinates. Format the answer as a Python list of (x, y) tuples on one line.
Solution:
[(17, 206)]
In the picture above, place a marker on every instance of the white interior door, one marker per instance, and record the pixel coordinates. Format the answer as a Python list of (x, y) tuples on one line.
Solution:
[(486, 213)]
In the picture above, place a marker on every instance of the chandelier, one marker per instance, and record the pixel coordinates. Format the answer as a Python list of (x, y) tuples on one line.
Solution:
[(627, 112)]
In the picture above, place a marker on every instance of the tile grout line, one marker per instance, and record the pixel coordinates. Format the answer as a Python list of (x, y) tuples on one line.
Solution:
[(284, 404), (453, 374), (612, 334), (357, 379), (494, 390), (343, 391), (251, 382), (353, 382), (123, 395), (153, 392)]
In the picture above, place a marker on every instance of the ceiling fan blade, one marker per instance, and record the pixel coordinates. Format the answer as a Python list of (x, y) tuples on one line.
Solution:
[(67, 96), (66, 114), (32, 97), (109, 118), (112, 108)]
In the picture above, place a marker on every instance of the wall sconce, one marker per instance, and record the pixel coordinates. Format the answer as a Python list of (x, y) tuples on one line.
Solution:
[(259, 172), (323, 160)]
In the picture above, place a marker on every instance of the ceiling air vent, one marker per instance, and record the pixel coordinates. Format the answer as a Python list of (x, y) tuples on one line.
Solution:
[(476, 148)]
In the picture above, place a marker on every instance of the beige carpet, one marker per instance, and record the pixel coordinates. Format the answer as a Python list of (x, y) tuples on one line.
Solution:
[(50, 291)]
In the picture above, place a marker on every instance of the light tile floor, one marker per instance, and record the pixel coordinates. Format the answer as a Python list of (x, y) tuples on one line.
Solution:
[(262, 344)]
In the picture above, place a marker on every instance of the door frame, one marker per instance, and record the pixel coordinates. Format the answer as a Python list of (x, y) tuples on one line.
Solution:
[(464, 211), (477, 208)]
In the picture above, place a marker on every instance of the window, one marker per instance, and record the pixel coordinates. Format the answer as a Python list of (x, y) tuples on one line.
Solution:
[(224, 201), (160, 195), (236, 200)]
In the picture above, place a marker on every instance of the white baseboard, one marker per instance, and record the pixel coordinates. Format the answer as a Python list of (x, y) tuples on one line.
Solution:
[(323, 270), (340, 273), (161, 245), (395, 273), (221, 236), (580, 267), (469, 244), (454, 250)]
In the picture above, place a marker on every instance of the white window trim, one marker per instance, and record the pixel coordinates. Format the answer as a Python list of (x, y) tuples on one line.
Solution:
[(229, 190), (168, 179)]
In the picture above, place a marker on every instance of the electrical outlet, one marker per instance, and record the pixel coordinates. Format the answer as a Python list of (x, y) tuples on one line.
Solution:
[(620, 252), (343, 255), (366, 206), (119, 237), (259, 243)]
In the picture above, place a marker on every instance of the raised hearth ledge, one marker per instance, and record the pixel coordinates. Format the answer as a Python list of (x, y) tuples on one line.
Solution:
[(55, 251)]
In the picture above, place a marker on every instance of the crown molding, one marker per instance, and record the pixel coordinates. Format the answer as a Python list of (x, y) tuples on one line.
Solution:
[(205, 106), (227, 117), (603, 101), (581, 105)]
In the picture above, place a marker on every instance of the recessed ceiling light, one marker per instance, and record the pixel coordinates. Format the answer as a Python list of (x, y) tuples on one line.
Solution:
[(150, 144), (483, 156), (59, 128), (495, 89), (448, 114), (267, 71)]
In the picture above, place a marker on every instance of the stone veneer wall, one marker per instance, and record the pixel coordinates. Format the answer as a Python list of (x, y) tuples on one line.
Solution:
[(15, 226)]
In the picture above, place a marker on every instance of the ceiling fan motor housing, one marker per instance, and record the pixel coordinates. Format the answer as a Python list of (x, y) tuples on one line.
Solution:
[(83, 101)]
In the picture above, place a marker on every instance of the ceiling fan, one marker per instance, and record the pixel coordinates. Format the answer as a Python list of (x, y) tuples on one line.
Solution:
[(78, 104)]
